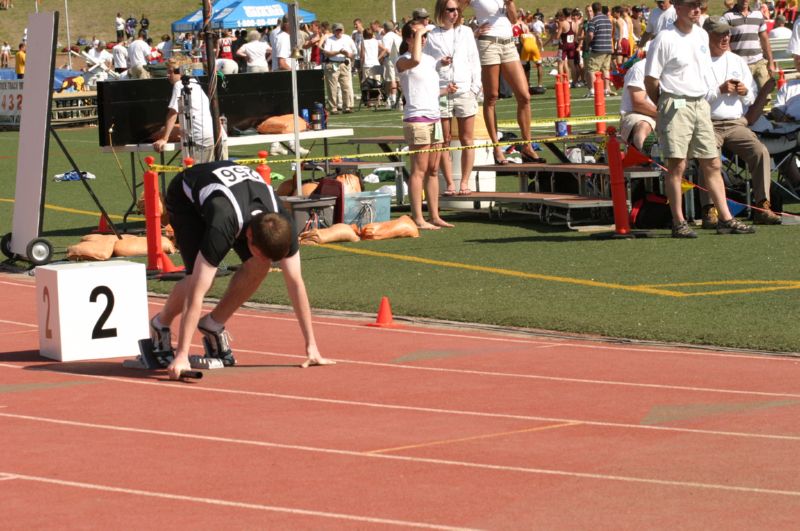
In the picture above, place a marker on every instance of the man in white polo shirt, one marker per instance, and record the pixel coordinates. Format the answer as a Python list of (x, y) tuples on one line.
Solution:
[(677, 64), (733, 94), (339, 51)]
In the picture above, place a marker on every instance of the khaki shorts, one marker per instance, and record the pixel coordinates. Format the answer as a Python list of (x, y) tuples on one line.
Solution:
[(760, 72), (629, 121), (389, 71), (462, 105), (685, 129), (492, 53), (421, 133), (598, 62)]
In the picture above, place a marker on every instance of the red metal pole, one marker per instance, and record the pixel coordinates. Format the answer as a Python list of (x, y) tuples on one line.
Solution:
[(157, 261), (560, 97), (599, 102), (619, 196)]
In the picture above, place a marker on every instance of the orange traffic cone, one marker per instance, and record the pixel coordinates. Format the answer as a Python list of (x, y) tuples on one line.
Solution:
[(385, 319), (102, 226)]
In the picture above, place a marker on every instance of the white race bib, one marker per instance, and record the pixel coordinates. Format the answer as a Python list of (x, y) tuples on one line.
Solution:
[(230, 175)]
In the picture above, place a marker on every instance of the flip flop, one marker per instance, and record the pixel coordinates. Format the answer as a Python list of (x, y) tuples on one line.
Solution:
[(449, 192), (465, 191)]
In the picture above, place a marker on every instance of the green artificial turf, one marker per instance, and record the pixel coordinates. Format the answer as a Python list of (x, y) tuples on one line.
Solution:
[(740, 291)]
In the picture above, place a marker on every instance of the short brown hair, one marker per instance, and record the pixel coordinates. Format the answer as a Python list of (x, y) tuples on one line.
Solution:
[(439, 12), (272, 235)]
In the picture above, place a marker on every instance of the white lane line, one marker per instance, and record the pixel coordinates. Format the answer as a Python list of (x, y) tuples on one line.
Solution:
[(545, 378), (576, 343), (19, 323), (19, 284), (432, 461), (438, 411), (235, 504), (4, 476)]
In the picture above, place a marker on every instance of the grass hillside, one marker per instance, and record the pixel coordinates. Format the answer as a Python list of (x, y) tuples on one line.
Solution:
[(96, 17), (89, 18)]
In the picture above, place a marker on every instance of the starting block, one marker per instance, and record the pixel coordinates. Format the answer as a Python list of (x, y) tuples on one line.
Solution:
[(205, 363), (91, 310), (150, 359)]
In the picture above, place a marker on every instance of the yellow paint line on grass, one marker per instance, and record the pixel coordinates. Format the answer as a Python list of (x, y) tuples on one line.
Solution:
[(510, 272), (762, 286), (475, 437), (114, 217)]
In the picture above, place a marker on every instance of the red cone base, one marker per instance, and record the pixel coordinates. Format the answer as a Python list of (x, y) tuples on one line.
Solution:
[(385, 319), (102, 226)]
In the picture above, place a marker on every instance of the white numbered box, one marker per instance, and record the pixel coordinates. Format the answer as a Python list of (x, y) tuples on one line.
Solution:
[(91, 310)]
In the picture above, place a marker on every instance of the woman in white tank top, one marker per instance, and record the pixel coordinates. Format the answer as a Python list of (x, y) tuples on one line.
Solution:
[(371, 49), (421, 127)]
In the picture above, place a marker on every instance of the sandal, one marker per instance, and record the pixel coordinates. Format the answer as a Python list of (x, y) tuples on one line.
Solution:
[(464, 191), (451, 191), (501, 162)]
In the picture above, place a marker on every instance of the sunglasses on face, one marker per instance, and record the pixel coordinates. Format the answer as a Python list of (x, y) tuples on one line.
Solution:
[(176, 70), (451, 9)]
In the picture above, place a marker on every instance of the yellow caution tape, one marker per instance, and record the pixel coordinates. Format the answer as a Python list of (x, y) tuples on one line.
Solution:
[(576, 120)]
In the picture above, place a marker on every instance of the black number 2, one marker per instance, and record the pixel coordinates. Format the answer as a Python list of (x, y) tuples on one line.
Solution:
[(98, 332)]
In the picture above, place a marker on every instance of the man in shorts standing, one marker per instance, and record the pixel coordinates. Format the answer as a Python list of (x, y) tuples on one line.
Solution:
[(678, 62), (600, 48), (214, 208)]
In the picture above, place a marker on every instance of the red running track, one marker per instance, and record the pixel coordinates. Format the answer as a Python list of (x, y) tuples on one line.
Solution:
[(422, 426)]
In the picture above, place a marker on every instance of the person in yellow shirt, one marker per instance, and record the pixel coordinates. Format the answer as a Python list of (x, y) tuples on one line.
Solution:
[(19, 60)]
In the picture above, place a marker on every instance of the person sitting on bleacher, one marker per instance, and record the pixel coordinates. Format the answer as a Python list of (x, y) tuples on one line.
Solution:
[(637, 109), (732, 95)]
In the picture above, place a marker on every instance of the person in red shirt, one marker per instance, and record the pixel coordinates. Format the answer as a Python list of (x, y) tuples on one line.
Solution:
[(225, 46)]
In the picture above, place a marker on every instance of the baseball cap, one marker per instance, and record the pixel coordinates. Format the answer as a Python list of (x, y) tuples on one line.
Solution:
[(780, 18), (337, 26), (716, 25), (420, 13)]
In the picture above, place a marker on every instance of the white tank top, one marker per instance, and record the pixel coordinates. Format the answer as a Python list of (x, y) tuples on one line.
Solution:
[(493, 12), (420, 86), (370, 58)]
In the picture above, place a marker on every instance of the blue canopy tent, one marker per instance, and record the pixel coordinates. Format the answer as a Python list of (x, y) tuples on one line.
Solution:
[(254, 14), (194, 20)]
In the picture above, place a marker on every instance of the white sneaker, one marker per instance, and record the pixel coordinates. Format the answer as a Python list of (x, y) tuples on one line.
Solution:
[(301, 150), (277, 149)]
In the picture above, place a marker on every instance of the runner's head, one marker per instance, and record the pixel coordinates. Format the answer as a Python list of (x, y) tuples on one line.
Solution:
[(271, 234)]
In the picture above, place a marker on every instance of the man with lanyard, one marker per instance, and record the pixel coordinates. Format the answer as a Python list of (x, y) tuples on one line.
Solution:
[(749, 39), (678, 62), (198, 135), (339, 51), (214, 208), (733, 101)]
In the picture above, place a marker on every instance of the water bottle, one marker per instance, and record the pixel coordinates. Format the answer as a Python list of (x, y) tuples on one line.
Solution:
[(320, 109), (655, 153)]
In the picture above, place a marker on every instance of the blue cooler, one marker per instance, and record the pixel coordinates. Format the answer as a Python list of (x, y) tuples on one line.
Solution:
[(366, 207)]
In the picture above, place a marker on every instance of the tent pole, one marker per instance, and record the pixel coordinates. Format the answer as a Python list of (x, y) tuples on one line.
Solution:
[(293, 16), (211, 70)]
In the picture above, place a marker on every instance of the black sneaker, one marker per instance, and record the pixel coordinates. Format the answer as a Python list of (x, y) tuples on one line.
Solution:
[(682, 230), (162, 338), (217, 345), (734, 226)]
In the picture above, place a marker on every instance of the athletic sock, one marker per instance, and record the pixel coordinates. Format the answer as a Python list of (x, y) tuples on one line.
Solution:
[(210, 324)]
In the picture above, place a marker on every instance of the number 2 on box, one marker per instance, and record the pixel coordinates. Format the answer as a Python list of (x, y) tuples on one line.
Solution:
[(98, 332)]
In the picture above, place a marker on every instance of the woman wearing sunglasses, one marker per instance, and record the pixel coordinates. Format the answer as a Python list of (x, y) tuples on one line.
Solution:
[(453, 45)]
